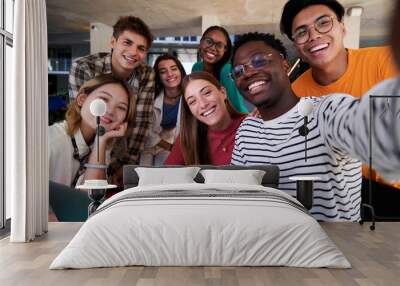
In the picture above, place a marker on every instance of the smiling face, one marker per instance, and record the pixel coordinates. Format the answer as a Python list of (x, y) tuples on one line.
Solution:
[(320, 49), (169, 73), (129, 50), (207, 103), (116, 99), (262, 86), (214, 53)]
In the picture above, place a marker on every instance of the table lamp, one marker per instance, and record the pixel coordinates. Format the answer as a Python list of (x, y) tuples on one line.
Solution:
[(305, 108), (97, 188)]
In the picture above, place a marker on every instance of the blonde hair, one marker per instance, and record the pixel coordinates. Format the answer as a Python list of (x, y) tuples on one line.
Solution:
[(73, 114)]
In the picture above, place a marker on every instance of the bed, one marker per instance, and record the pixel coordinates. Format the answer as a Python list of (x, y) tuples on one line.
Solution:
[(208, 216)]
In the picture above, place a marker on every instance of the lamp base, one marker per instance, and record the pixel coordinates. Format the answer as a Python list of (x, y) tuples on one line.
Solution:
[(305, 190), (96, 196)]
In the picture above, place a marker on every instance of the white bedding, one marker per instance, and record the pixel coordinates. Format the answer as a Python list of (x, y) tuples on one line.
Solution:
[(264, 229)]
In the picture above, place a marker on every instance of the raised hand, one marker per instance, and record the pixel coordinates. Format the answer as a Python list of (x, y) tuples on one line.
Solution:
[(118, 131)]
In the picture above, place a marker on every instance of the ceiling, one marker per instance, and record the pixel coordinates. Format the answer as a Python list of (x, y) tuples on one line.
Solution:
[(180, 17)]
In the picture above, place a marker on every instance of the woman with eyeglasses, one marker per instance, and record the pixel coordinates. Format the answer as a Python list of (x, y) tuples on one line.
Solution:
[(215, 51), (317, 30), (208, 123), (169, 73)]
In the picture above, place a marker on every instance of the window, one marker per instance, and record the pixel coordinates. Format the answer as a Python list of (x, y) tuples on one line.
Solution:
[(9, 15), (2, 195), (6, 44)]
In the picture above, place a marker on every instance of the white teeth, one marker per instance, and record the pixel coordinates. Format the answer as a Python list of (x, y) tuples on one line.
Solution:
[(319, 47), (210, 55), (129, 58), (256, 84), (208, 112)]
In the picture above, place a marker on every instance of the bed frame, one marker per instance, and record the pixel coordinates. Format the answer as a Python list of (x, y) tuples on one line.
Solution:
[(270, 179)]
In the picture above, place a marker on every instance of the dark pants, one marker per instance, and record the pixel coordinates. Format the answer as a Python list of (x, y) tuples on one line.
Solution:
[(385, 200)]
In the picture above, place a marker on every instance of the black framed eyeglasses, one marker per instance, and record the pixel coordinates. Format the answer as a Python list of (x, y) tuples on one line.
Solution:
[(257, 61), (208, 43), (322, 25)]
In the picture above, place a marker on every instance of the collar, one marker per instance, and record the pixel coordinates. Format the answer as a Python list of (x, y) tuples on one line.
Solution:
[(159, 100)]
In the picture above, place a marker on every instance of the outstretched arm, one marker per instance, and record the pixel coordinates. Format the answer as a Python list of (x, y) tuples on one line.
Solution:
[(346, 126)]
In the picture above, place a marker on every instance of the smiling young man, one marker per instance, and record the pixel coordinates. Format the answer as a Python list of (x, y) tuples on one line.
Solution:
[(337, 131), (317, 30), (130, 42)]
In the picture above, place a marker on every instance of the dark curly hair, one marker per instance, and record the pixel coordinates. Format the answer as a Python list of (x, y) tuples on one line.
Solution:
[(294, 7), (268, 39)]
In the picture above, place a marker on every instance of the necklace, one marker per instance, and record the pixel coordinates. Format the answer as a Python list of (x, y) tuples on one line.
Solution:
[(173, 91), (222, 140), (171, 100), (173, 97), (223, 145)]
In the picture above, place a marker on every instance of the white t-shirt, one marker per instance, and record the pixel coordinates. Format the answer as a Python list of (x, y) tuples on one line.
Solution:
[(62, 165)]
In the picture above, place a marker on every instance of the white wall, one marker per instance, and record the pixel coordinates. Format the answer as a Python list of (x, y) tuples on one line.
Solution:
[(352, 38), (100, 37)]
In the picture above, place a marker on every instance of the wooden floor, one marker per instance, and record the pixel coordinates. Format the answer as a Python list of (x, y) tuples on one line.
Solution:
[(374, 255)]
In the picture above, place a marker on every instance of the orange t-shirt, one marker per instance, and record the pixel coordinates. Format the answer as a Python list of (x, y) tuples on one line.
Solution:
[(366, 68)]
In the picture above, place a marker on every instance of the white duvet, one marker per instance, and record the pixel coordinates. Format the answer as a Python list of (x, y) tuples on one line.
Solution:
[(184, 230)]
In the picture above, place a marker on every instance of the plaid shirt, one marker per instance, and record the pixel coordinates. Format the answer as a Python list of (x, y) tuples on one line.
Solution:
[(126, 150)]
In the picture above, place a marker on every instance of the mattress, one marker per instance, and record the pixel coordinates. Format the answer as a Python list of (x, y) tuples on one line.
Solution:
[(201, 225)]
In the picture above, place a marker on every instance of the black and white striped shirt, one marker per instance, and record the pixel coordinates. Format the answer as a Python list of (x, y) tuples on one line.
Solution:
[(338, 133)]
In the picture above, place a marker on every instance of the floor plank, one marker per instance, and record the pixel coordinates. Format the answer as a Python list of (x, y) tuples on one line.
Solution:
[(374, 255)]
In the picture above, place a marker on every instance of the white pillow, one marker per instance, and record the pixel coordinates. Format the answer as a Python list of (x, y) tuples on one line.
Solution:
[(166, 176), (248, 177)]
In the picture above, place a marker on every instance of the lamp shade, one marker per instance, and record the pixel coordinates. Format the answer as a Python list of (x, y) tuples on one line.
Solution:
[(98, 107), (305, 107)]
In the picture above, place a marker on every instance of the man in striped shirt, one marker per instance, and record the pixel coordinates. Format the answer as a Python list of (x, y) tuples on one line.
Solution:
[(338, 131)]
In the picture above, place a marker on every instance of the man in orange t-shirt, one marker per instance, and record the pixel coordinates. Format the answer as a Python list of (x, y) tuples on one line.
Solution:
[(365, 68), (317, 30)]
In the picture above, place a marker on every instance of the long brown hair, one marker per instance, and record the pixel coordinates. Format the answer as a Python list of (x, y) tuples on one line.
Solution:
[(158, 84), (73, 114), (193, 133)]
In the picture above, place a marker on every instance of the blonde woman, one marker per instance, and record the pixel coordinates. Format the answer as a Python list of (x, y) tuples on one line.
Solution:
[(70, 141)]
